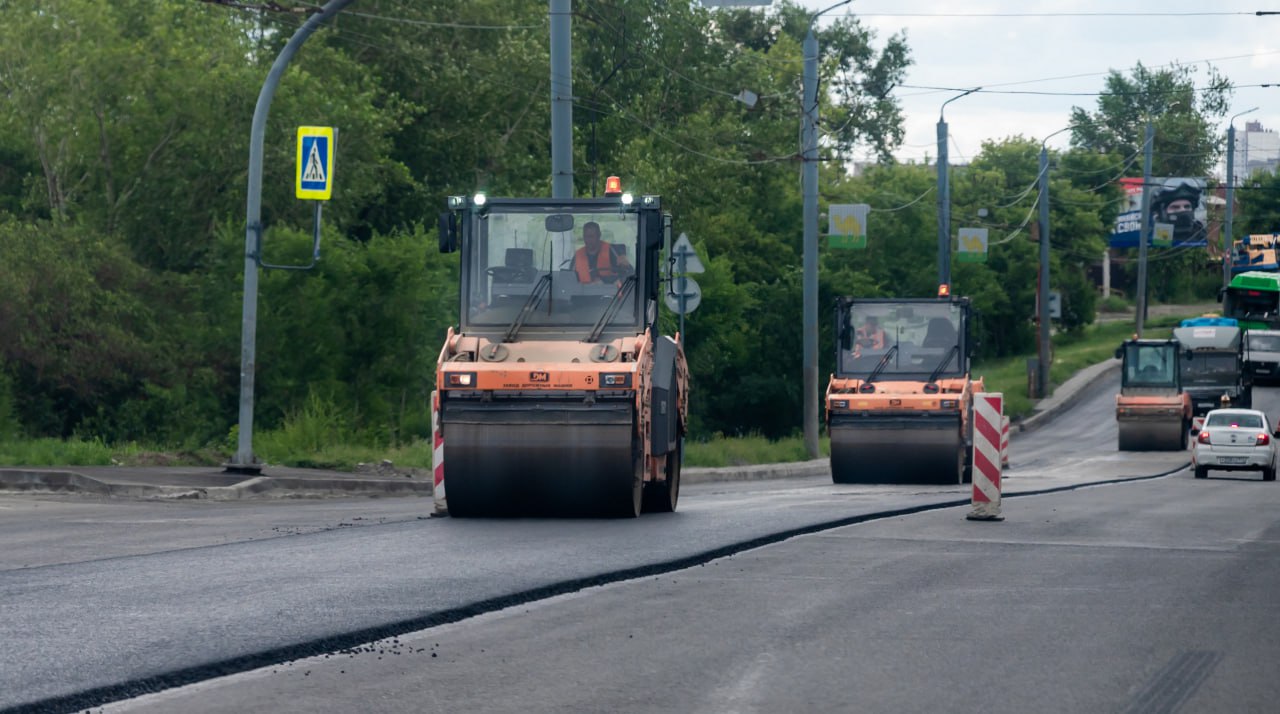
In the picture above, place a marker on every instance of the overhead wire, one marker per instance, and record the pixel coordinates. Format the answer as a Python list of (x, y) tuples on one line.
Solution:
[(909, 204)]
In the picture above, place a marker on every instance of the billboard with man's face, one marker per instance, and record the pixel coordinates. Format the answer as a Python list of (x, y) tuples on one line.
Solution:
[(1178, 201)]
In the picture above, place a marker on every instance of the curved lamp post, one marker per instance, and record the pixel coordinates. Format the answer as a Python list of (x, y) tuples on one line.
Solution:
[(944, 195), (809, 179)]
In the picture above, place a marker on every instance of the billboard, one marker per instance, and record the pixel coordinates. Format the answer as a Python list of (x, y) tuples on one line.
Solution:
[(1177, 201)]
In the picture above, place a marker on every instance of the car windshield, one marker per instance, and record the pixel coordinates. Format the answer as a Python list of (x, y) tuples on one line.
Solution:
[(1244, 421), (1208, 368), (567, 267), (926, 336), (1264, 343)]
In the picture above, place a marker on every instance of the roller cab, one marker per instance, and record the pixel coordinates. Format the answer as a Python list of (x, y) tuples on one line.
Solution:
[(899, 405), (556, 394), (1152, 411)]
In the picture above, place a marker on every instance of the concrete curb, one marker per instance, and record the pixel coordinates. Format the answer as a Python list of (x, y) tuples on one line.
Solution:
[(32, 480), (757, 472)]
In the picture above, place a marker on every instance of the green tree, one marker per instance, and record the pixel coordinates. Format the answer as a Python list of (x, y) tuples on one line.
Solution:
[(1186, 143)]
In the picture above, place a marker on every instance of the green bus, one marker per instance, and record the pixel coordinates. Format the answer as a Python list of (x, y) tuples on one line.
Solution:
[(1253, 298)]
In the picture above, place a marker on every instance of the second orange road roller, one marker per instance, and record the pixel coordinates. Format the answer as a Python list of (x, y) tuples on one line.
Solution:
[(899, 405)]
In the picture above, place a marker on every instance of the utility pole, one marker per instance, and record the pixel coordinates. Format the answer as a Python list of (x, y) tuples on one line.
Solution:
[(244, 460), (561, 99), (809, 181), (944, 195), (1042, 285), (1145, 232), (1042, 303), (1227, 239)]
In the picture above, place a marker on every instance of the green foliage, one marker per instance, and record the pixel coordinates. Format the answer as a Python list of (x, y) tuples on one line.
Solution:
[(56, 452), (1114, 303), (1185, 117), (1259, 199), (315, 426), (747, 450), (9, 426), (123, 146)]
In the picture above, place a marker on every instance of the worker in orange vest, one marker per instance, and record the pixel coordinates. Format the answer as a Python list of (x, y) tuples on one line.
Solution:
[(871, 335), (595, 261)]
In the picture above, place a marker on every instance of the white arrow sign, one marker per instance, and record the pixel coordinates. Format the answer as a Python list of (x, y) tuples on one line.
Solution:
[(686, 257)]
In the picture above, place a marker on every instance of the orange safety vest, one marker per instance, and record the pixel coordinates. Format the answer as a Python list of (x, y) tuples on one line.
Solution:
[(605, 268)]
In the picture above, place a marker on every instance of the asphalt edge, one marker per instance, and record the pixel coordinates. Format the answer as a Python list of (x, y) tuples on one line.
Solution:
[(1068, 394)]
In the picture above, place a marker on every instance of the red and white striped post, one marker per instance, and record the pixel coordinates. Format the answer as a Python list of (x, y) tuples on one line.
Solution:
[(437, 458), (988, 413), (1004, 442)]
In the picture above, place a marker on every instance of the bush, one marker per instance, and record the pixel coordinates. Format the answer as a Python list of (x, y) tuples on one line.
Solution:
[(1114, 303)]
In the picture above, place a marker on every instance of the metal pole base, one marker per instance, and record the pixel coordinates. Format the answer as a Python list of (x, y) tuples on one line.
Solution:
[(251, 469)]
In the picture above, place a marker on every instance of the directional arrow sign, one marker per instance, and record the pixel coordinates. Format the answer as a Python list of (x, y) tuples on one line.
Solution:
[(686, 257), (689, 290)]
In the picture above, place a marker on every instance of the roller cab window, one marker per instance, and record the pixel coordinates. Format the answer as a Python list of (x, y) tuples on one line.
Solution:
[(911, 340), (547, 266)]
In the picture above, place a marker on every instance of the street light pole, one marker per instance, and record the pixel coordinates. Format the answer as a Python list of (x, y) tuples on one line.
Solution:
[(809, 179), (1042, 285), (244, 460), (1227, 240), (1145, 231), (944, 195)]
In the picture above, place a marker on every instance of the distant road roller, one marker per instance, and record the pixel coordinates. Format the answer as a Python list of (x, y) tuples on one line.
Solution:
[(556, 394), (1153, 413), (899, 406)]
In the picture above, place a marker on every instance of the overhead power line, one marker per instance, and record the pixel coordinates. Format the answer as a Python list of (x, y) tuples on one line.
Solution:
[(1051, 14)]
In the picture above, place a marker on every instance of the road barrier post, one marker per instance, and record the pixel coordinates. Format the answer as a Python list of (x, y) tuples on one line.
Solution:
[(988, 415), (437, 458), (1004, 442)]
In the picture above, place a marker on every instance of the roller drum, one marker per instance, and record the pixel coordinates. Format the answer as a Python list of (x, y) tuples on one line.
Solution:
[(540, 458), (1149, 435), (897, 450)]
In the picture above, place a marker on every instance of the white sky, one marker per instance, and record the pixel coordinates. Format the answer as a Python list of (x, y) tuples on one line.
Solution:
[(986, 51)]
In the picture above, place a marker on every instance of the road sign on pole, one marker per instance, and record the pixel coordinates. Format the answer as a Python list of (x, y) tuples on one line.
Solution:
[(847, 225), (972, 245), (686, 257), (685, 295), (314, 167)]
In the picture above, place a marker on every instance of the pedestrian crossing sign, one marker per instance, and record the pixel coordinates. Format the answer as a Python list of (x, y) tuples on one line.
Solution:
[(315, 163)]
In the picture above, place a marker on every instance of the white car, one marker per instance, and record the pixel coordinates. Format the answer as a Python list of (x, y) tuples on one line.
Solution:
[(1235, 440)]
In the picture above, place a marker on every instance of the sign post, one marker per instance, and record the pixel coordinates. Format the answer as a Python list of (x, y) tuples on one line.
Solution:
[(685, 295)]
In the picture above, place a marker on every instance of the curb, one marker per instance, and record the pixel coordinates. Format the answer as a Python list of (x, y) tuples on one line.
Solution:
[(757, 472), (257, 487)]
